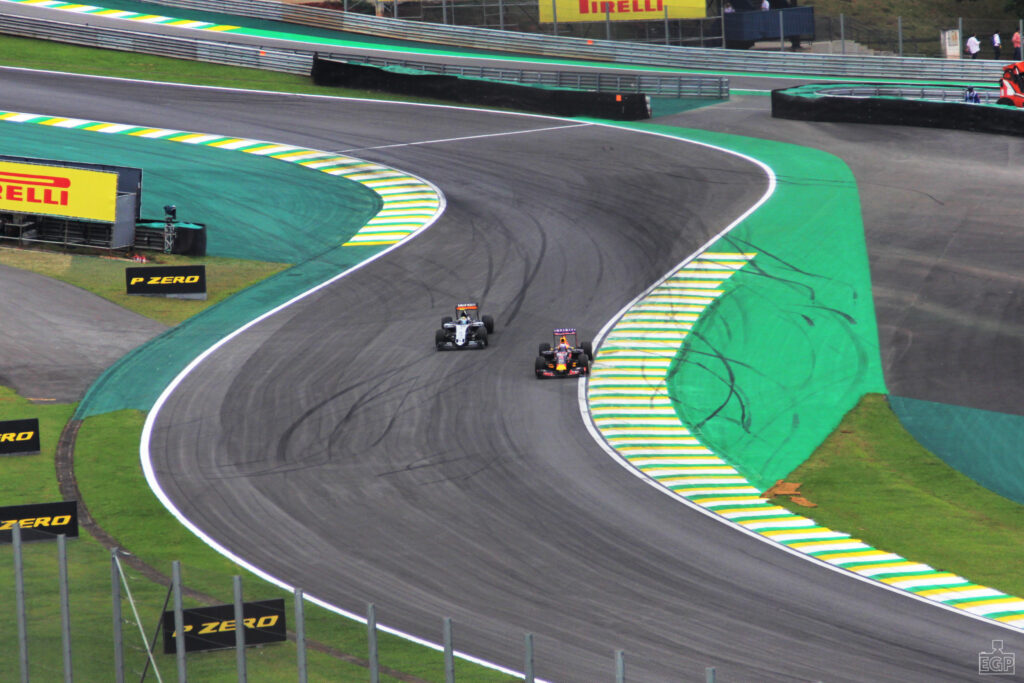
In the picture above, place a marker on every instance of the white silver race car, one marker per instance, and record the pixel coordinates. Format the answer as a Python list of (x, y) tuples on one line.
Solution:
[(465, 331)]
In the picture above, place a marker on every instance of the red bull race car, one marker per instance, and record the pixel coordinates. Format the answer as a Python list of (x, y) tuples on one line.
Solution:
[(1011, 85), (564, 358), (465, 330)]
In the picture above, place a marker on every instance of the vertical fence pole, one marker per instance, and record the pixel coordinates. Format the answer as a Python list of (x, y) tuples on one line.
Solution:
[(899, 33), (240, 667), (65, 605), (179, 622), (721, 13), (444, 12), (554, 17), (842, 35), (371, 642), (782, 33), (620, 666), (300, 633), (449, 652), (501, 15), (960, 33), (1020, 31), (115, 598), (666, 24), (528, 663), (19, 597)]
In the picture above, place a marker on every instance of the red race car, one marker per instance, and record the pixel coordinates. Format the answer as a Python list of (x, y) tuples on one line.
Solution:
[(565, 358)]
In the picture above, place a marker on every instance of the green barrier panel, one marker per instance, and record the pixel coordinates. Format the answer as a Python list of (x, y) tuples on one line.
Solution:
[(984, 445), (792, 343)]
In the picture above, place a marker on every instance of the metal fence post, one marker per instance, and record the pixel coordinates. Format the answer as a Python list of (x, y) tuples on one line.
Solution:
[(620, 666), (842, 35), (608, 21), (115, 597), (666, 24), (179, 622), (501, 15), (371, 642), (449, 652), (960, 33), (240, 667), (528, 664), (65, 605), (899, 33), (300, 634), (782, 33), (19, 596), (554, 17), (1020, 31)]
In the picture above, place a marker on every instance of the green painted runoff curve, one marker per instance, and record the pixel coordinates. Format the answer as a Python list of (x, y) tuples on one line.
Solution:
[(792, 343)]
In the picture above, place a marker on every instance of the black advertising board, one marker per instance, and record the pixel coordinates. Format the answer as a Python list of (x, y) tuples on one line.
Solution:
[(213, 628), (40, 521), (19, 437), (183, 281)]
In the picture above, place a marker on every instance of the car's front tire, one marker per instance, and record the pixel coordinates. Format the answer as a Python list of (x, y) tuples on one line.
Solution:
[(488, 323), (440, 337)]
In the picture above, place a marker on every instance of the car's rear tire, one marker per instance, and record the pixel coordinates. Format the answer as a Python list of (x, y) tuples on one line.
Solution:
[(539, 366), (587, 349), (445, 320), (584, 363), (544, 347), (488, 323), (440, 337)]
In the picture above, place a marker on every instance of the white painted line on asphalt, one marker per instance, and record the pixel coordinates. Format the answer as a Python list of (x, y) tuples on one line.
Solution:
[(467, 137)]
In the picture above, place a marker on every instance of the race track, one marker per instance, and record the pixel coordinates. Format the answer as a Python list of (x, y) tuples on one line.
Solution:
[(455, 484)]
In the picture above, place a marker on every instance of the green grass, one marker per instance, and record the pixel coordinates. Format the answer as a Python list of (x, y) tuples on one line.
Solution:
[(871, 479), (105, 276)]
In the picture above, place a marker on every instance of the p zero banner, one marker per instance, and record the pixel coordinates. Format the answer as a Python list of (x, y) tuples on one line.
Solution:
[(186, 281), (41, 521), (19, 437), (213, 628), (619, 10), (58, 191)]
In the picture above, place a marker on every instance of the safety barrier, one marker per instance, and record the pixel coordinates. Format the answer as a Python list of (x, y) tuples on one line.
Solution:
[(850, 66), (300, 62)]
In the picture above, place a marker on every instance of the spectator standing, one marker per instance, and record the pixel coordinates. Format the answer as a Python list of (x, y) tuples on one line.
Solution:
[(997, 44), (973, 46), (1016, 46), (728, 8), (765, 6)]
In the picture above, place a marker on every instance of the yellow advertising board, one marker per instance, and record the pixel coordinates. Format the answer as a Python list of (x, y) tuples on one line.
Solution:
[(619, 10), (58, 191)]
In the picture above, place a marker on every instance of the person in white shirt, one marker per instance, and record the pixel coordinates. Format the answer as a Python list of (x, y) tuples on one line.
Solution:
[(765, 6), (973, 46), (997, 44)]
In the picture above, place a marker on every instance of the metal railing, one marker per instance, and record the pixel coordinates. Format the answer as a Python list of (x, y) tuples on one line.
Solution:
[(935, 94), (300, 62), (854, 66), (668, 86)]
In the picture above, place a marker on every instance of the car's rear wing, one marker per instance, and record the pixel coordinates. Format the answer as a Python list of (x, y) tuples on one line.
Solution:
[(466, 307), (564, 330)]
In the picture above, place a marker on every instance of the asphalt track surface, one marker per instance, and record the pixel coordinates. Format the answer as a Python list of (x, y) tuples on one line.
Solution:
[(333, 447)]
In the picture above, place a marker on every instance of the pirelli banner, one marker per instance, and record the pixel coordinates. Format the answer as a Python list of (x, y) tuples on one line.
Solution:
[(19, 437), (58, 191), (213, 628), (188, 282), (41, 521), (619, 10)]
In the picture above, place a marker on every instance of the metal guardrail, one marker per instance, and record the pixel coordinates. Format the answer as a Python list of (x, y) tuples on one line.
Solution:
[(906, 92), (845, 66), (716, 87), (300, 62), (165, 46)]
